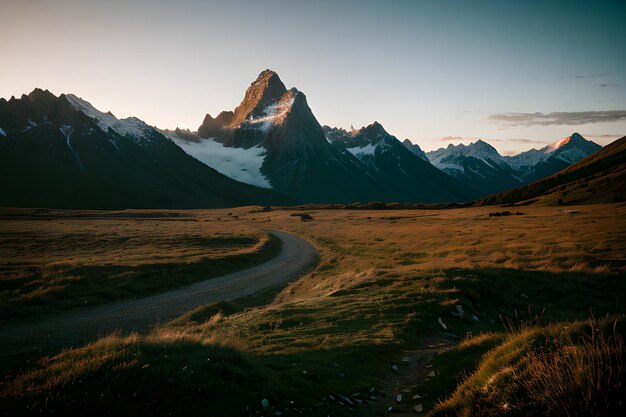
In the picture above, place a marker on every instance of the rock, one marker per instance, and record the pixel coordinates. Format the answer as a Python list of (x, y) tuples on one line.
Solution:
[(442, 324), (395, 367), (346, 399), (418, 408), (474, 317), (416, 397), (459, 310), (303, 216), (399, 398), (431, 373), (265, 403)]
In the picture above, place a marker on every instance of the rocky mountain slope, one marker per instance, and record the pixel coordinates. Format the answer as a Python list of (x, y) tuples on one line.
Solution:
[(274, 136), (535, 164), (478, 165), (397, 167), (415, 148), (61, 152), (481, 166)]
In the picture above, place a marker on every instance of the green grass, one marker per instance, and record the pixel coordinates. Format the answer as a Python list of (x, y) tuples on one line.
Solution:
[(43, 290)]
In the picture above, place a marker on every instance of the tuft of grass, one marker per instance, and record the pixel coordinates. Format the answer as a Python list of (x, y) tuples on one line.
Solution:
[(572, 370), (585, 377)]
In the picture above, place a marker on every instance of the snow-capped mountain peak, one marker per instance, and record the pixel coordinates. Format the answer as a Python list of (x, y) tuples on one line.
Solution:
[(480, 150), (569, 149), (130, 126), (265, 90)]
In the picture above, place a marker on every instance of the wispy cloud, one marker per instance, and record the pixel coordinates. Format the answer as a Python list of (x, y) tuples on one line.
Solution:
[(606, 85), (558, 118), (489, 140), (454, 138), (613, 136), (527, 141), (579, 76)]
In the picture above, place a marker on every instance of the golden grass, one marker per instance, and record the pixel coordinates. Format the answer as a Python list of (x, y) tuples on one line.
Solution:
[(383, 279), (574, 370)]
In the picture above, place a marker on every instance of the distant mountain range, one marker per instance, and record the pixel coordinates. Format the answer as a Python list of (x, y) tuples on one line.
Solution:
[(598, 178), (62, 152), (481, 166)]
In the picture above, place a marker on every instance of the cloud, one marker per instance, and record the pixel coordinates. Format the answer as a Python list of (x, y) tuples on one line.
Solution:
[(614, 136), (606, 85), (558, 118), (489, 140), (579, 76), (452, 138), (526, 141)]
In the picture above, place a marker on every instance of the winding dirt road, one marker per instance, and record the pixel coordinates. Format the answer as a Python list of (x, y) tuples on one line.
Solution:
[(25, 342)]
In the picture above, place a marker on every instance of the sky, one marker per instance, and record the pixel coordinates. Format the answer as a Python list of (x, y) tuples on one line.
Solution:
[(515, 74)]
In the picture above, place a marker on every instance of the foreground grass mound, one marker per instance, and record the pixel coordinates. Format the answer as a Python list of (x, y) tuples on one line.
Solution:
[(136, 375), (575, 369)]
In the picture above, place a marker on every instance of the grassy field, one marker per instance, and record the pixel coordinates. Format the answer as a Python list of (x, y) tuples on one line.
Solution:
[(327, 342), (75, 260)]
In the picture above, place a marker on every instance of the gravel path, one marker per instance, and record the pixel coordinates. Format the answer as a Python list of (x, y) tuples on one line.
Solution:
[(27, 341)]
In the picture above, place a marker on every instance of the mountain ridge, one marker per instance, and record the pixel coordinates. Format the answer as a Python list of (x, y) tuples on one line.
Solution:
[(61, 152)]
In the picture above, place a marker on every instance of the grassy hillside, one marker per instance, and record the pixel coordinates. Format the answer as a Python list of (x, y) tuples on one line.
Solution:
[(599, 178)]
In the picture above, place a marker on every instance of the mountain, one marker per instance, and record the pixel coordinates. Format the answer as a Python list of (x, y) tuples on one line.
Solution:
[(272, 139), (61, 152), (395, 166), (598, 178), (478, 165), (417, 151), (536, 164)]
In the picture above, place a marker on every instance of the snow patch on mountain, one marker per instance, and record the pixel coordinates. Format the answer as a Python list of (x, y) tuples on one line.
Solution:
[(366, 150), (67, 132), (130, 126), (273, 114), (240, 164), (448, 166)]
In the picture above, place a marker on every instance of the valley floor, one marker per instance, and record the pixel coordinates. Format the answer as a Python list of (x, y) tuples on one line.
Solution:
[(378, 317)]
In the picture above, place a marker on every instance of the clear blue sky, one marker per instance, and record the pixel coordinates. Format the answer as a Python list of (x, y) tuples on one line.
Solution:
[(431, 71)]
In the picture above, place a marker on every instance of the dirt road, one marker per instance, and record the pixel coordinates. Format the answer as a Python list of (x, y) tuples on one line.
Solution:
[(25, 342)]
